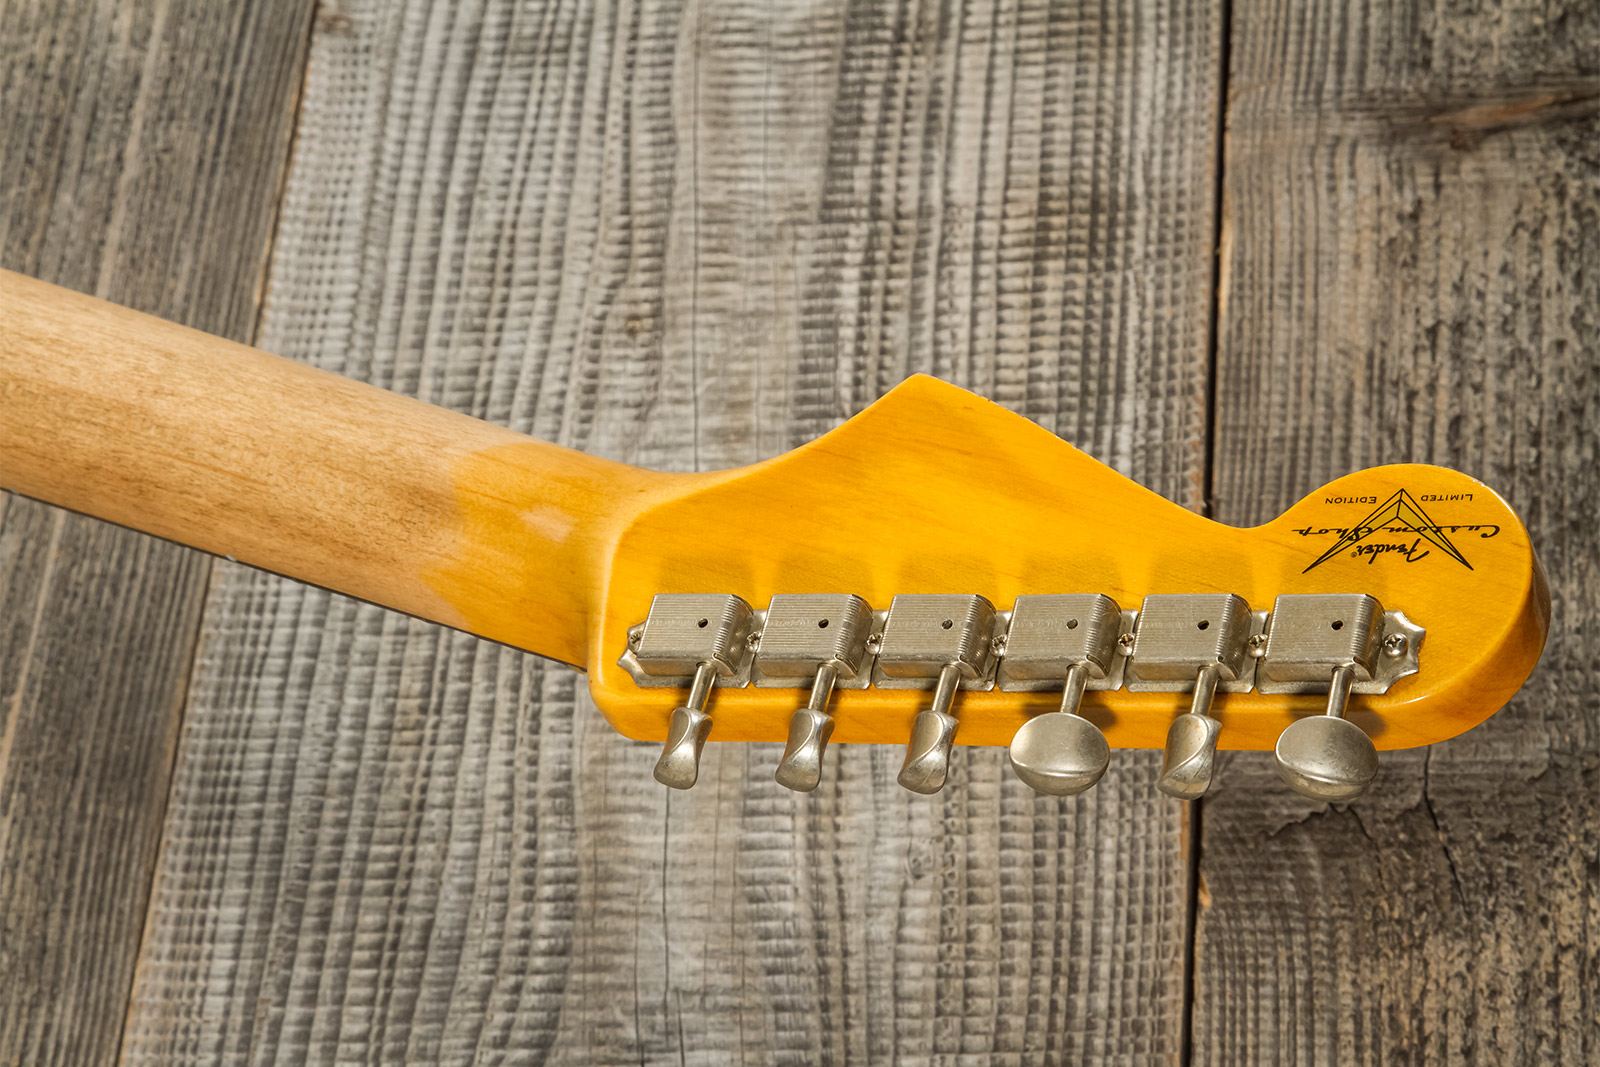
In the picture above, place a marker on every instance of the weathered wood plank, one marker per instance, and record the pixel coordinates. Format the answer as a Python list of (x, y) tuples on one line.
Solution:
[(1413, 273), (689, 238), (141, 150)]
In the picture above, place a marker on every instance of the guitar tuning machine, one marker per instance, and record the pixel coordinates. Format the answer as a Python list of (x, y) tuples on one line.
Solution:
[(941, 641), (1201, 644), (1195, 643), (820, 639), (699, 641), (1337, 643), (1070, 642)]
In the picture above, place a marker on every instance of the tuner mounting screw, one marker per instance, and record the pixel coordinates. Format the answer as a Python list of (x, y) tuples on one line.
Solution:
[(753, 641), (999, 645), (1125, 645), (875, 643), (635, 635), (1258, 645), (1395, 645)]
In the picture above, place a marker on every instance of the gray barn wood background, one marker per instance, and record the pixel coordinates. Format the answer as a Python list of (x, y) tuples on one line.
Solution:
[(1234, 249)]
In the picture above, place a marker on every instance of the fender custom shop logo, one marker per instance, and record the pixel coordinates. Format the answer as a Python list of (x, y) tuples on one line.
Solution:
[(1397, 528)]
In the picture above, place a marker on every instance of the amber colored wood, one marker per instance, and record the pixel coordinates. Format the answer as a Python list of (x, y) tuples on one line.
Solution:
[(556, 552), (936, 490)]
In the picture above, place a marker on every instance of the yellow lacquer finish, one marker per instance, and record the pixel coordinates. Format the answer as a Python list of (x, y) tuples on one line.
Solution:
[(936, 490)]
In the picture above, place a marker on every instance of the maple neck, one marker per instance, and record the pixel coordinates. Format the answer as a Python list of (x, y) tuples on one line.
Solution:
[(193, 438)]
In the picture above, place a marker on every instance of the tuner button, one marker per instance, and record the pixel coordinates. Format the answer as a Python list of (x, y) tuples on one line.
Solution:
[(927, 762), (809, 730), (1061, 753), (1328, 757), (928, 753), (679, 765), (1191, 752)]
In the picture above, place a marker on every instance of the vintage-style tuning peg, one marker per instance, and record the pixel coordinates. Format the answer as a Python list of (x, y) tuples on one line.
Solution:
[(1316, 639), (822, 637), (810, 727), (679, 765), (1061, 752), (927, 762), (943, 639), (1328, 757), (696, 638), (1190, 641), (1191, 753), (1068, 640)]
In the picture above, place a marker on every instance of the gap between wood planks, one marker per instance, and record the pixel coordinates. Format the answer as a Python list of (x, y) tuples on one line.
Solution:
[(265, 273), (1218, 286)]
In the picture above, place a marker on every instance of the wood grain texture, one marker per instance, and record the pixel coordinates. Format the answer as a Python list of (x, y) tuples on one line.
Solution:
[(689, 238), (308, 474), (1413, 272), (141, 150)]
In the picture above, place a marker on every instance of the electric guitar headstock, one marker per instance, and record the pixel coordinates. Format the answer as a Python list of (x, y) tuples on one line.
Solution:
[(941, 571)]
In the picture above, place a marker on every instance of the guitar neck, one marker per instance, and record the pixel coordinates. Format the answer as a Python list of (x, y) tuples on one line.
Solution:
[(193, 438), (933, 543)]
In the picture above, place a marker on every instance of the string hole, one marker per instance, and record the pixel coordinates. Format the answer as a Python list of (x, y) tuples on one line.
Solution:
[(1204, 624), (703, 623), (1338, 624), (1072, 624), (823, 624), (947, 624)]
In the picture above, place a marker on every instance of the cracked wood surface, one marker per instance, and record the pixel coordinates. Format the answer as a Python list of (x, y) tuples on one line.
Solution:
[(1412, 272), (689, 237), (141, 150)]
